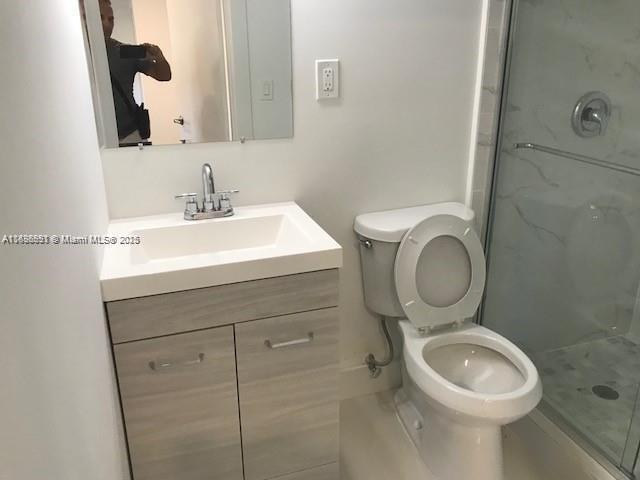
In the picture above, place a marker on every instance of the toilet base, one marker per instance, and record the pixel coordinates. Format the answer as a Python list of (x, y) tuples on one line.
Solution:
[(451, 450)]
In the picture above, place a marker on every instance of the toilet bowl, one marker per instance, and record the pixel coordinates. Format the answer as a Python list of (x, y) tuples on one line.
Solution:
[(461, 382), (463, 386)]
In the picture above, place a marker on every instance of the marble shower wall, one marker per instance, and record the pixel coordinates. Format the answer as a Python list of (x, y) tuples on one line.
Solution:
[(493, 70), (565, 262)]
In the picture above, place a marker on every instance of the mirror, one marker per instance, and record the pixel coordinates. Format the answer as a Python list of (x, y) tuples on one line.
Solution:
[(188, 71)]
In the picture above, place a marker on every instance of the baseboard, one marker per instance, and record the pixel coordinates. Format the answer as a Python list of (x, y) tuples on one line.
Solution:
[(548, 441), (355, 381)]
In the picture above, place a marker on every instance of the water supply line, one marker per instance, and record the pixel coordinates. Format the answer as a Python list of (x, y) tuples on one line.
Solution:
[(375, 366)]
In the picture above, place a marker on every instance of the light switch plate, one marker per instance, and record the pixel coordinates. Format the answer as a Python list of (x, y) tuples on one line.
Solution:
[(267, 90), (327, 79)]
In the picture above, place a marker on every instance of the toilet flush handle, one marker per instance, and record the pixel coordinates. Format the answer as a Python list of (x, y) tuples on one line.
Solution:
[(365, 242)]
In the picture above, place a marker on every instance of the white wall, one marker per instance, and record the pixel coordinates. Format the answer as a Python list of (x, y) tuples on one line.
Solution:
[(239, 71), (161, 98), (270, 60), (199, 69), (398, 137), (58, 414), (124, 29)]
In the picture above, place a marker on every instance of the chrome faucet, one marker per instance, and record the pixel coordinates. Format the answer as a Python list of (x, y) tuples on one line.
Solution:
[(214, 204), (208, 188)]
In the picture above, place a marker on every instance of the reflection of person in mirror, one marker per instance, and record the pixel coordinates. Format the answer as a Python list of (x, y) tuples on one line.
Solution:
[(125, 61)]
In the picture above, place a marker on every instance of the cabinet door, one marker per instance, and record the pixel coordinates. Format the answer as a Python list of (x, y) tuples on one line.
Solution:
[(179, 396), (287, 376)]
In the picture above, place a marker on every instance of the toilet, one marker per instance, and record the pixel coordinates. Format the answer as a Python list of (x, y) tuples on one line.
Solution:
[(461, 382)]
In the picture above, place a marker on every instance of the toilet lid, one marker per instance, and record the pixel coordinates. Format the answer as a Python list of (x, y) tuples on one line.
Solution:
[(440, 271)]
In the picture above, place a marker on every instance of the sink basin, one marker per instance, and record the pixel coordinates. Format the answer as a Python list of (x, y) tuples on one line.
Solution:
[(175, 254), (208, 237)]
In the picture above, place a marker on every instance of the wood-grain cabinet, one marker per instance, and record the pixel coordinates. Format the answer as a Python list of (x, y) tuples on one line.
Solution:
[(231, 382)]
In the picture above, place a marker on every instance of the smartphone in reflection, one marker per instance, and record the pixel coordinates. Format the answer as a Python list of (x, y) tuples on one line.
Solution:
[(132, 51)]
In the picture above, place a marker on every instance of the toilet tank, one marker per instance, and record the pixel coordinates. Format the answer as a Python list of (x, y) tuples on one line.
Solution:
[(380, 234)]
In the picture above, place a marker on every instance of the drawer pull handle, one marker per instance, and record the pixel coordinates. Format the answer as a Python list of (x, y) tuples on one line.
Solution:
[(290, 343), (161, 365)]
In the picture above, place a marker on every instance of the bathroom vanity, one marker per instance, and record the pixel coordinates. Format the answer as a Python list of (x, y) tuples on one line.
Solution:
[(228, 379)]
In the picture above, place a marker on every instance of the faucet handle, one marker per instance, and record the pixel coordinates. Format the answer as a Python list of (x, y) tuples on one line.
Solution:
[(225, 201), (227, 192), (187, 195), (192, 201)]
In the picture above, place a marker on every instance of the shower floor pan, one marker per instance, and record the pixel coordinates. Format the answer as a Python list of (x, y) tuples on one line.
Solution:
[(594, 386)]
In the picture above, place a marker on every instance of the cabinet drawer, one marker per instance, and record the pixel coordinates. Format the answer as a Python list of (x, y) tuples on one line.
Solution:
[(159, 315), (325, 472), (287, 376), (179, 398)]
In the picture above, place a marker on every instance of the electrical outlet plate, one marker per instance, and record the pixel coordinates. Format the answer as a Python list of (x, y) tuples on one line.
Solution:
[(327, 79)]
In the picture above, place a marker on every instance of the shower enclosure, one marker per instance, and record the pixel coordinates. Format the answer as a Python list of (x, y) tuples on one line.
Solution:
[(563, 241)]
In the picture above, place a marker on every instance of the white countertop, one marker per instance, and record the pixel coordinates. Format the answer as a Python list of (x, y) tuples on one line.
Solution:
[(175, 254)]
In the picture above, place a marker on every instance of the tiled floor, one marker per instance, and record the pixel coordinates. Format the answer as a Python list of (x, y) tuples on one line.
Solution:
[(569, 375), (374, 446)]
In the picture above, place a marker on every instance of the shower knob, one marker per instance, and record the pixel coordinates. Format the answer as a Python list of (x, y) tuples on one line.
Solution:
[(591, 115)]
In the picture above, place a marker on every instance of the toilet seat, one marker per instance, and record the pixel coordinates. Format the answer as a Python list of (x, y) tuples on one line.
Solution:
[(489, 407), (406, 272)]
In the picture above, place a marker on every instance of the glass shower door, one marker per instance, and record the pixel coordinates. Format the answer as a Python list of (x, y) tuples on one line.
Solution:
[(629, 463), (564, 239)]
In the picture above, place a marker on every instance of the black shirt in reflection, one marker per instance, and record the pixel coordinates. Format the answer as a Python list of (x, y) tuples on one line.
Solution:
[(123, 72)]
